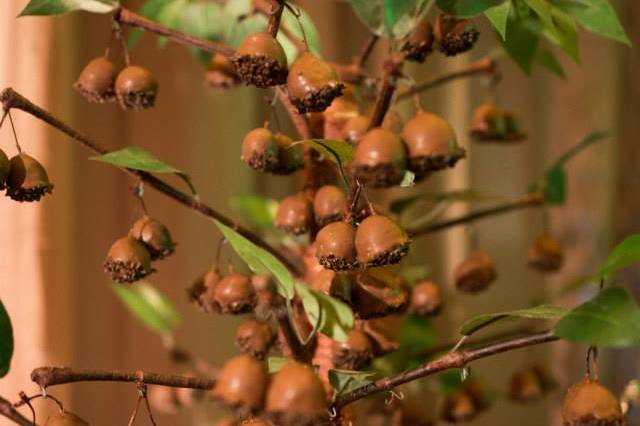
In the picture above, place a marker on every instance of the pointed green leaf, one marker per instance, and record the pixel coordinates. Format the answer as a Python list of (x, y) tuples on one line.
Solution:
[(344, 381), (334, 318), (150, 306), (523, 40), (466, 8), (259, 212), (597, 16), (542, 312), (563, 32), (610, 319), (548, 60), (499, 16), (6, 341), (623, 255), (340, 152), (55, 7)]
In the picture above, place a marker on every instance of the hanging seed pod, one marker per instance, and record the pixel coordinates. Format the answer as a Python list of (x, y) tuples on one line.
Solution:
[(296, 397), (27, 179), (220, 73), (530, 384), (96, 81), (202, 291), (355, 128), (295, 214), (431, 144), (136, 88), (373, 297), (312, 84), (589, 403), (254, 338), (384, 333), (242, 384), (267, 296), (128, 260), (333, 284), (419, 43), (261, 61), (380, 241), (4, 169), (379, 160), (163, 399), (328, 205), (458, 408), (335, 246), (354, 354), (546, 254), (426, 299), (493, 124), (454, 36), (234, 294), (261, 151), (475, 273), (291, 156), (338, 113), (154, 235), (65, 418)]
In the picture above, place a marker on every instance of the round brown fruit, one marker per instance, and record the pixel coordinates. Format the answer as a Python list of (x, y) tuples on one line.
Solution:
[(27, 179), (154, 235), (546, 254), (234, 294), (493, 124), (261, 61), (295, 214), (202, 291), (588, 403), (65, 418), (419, 43), (128, 260), (4, 169), (260, 150), (380, 241), (353, 354), (328, 205), (475, 273), (312, 84), (96, 81), (136, 88), (242, 384), (379, 159), (335, 246), (530, 384), (355, 128), (220, 73), (254, 338), (454, 36), (426, 299)]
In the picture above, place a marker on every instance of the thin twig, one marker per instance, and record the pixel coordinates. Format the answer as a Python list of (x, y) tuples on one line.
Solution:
[(275, 16), (7, 410), (365, 52)]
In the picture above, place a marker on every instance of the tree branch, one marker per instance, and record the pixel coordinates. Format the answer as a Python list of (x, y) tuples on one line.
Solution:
[(52, 376), (458, 359), (392, 70), (275, 16), (530, 200), (13, 100), (7, 410), (366, 50)]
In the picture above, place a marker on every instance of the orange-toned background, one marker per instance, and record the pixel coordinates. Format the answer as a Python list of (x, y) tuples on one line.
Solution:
[(51, 252)]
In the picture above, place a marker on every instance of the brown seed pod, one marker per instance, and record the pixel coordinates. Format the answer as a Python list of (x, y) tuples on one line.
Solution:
[(475, 273), (261, 151), (136, 88), (4, 169), (312, 84), (234, 294), (296, 397), (588, 403), (419, 43), (384, 333), (65, 418), (379, 160), (96, 81), (267, 296), (458, 408), (328, 205), (454, 36), (546, 254), (242, 384), (128, 260), (295, 214), (220, 73), (355, 128), (256, 421), (154, 235), (335, 246), (333, 284), (202, 291), (373, 296), (354, 354), (254, 338), (338, 113), (493, 124), (291, 156), (27, 179), (228, 421), (426, 299), (163, 399), (530, 383), (261, 61), (431, 144), (380, 241)]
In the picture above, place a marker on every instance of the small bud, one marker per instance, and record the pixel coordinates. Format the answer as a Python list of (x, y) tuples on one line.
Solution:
[(380, 241), (419, 43), (295, 214), (475, 273), (379, 160), (354, 354), (220, 73), (312, 84), (454, 36), (128, 261), (254, 338), (426, 299), (335, 246), (328, 205), (589, 403), (65, 418), (154, 235), (242, 384), (136, 88), (27, 179), (234, 294), (261, 61), (546, 254), (96, 81)]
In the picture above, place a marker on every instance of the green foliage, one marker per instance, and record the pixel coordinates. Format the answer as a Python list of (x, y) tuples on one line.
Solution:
[(275, 363), (408, 180), (466, 8), (56, 7), (393, 18), (417, 334), (623, 255), (344, 381), (340, 152), (149, 305), (542, 312), (6, 341), (259, 212), (612, 319), (499, 17), (329, 315)]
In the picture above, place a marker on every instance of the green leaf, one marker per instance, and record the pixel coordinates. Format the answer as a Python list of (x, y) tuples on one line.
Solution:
[(466, 8), (259, 260), (597, 16), (623, 255), (610, 319), (371, 13), (522, 43), (329, 315), (340, 152), (311, 305), (275, 363), (399, 15), (542, 312), (55, 7), (499, 16), (291, 24), (149, 10), (563, 32), (6, 341), (548, 60), (260, 212), (150, 306), (417, 334), (344, 381), (555, 189)]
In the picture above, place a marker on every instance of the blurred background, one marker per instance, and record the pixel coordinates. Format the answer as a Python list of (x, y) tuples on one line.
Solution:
[(51, 253)]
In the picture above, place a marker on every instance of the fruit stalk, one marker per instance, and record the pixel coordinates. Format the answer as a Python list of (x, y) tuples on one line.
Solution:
[(275, 17), (8, 411)]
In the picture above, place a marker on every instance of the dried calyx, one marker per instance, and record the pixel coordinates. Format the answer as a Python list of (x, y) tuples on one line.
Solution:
[(431, 144), (154, 235), (295, 214), (136, 88), (588, 403), (220, 73), (27, 179), (353, 354), (312, 84), (328, 205), (475, 273), (545, 254), (380, 241), (492, 124), (65, 418), (128, 260), (242, 384), (426, 299), (419, 43), (96, 81), (379, 159), (261, 61), (254, 338), (336, 247), (454, 36), (531, 383), (234, 294), (202, 291), (296, 397)]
